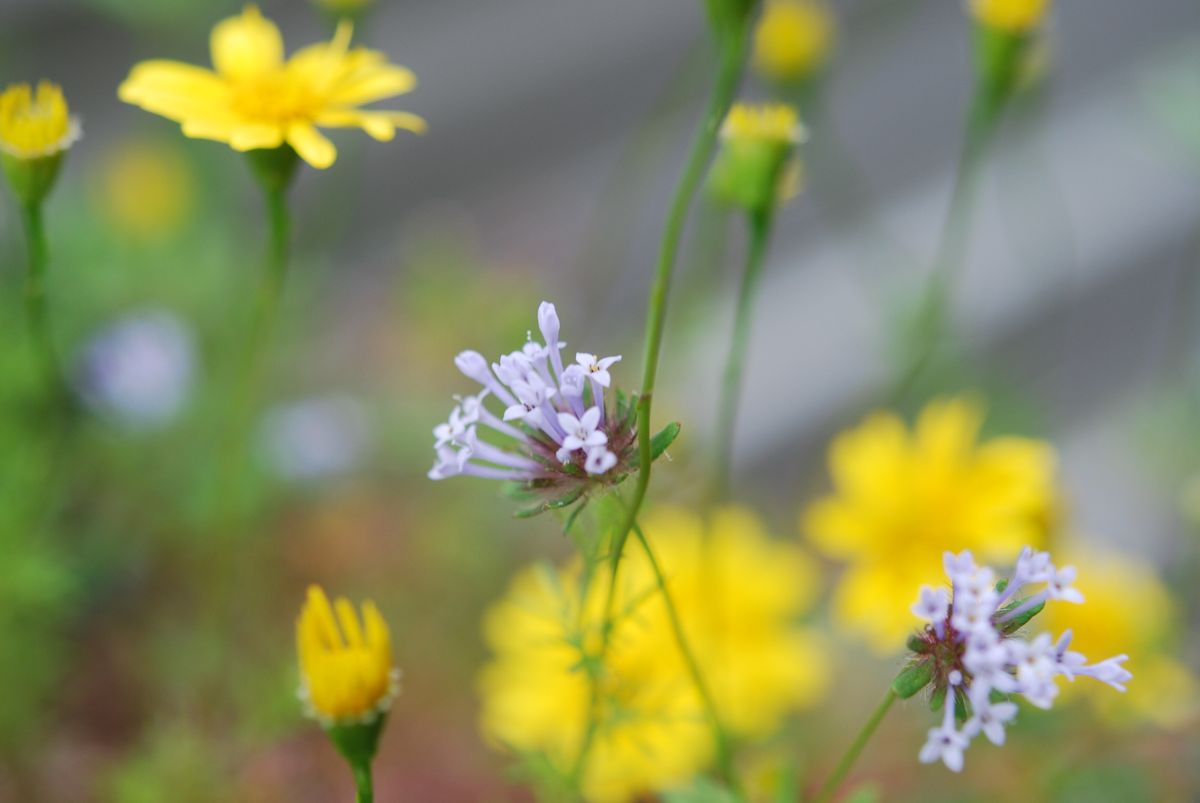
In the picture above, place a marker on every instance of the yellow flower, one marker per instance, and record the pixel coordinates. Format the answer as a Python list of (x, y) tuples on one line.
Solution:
[(755, 168), (35, 124), (145, 189), (902, 498), (772, 123), (257, 100), (793, 39), (346, 667), (1011, 16), (739, 594), (1127, 610)]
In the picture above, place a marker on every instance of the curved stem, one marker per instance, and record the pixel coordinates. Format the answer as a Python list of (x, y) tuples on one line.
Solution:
[(720, 737), (729, 72), (35, 296), (731, 385), (834, 781)]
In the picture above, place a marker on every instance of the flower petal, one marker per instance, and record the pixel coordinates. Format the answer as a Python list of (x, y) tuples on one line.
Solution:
[(247, 45), (175, 90), (381, 125), (311, 144)]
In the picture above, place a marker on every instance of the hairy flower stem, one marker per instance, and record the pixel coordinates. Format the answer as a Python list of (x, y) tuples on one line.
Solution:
[(952, 244), (834, 781), (35, 299), (731, 385), (720, 737)]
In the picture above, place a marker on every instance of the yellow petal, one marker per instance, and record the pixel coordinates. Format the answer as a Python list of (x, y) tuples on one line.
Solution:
[(174, 90), (246, 46), (381, 125), (371, 79), (312, 146)]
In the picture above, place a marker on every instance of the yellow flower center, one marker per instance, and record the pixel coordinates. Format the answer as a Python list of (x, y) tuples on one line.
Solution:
[(34, 124), (275, 98), (1013, 16), (771, 123)]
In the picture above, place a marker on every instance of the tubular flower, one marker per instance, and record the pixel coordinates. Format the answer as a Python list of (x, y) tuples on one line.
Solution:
[(1011, 16), (346, 670), (970, 656), (650, 729), (255, 99), (901, 498), (34, 124), (793, 39), (1129, 609), (562, 437)]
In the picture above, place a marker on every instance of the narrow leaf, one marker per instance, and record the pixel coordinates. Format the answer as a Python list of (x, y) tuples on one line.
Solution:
[(912, 679), (660, 442)]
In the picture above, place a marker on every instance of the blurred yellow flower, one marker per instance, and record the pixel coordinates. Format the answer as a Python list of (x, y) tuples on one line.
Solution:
[(257, 100), (739, 594), (145, 189), (756, 167), (902, 498), (793, 39), (1012, 16), (771, 123), (346, 667), (34, 124), (1128, 610)]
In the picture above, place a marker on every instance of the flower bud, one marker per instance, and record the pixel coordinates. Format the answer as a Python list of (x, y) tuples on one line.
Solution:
[(756, 167), (792, 40), (1003, 38), (1012, 16), (35, 129)]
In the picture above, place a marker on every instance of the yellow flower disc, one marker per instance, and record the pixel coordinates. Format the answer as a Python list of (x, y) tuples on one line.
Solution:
[(793, 39)]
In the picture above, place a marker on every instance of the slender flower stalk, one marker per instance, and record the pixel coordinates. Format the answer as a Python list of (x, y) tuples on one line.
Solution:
[(846, 763)]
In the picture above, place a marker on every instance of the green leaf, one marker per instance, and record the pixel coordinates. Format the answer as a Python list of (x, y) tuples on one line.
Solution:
[(912, 679), (552, 504), (1019, 621), (622, 405), (660, 442), (917, 644)]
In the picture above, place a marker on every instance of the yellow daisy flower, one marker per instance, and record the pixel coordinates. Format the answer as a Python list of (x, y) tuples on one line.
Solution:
[(35, 124), (1011, 16), (255, 99), (739, 594), (346, 667), (902, 498)]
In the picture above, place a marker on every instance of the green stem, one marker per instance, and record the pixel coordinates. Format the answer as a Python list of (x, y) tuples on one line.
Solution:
[(952, 244), (729, 72), (720, 737), (834, 781), (363, 782), (731, 385), (35, 295)]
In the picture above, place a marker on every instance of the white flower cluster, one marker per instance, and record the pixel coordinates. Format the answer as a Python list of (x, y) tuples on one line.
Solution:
[(974, 624), (554, 415)]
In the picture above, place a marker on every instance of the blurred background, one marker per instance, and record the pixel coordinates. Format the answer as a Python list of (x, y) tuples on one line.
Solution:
[(147, 656)]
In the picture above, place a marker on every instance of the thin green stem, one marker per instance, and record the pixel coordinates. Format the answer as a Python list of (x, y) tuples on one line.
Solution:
[(847, 760), (35, 296), (363, 782), (834, 781), (731, 385), (952, 244), (720, 737), (729, 72)]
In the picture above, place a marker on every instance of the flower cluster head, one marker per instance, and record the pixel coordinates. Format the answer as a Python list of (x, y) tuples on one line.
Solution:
[(36, 128), (792, 39), (755, 168), (560, 435), (1010, 16), (255, 99), (970, 655)]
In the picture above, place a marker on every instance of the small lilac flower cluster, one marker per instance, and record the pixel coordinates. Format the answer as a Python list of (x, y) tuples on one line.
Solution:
[(558, 430), (974, 662)]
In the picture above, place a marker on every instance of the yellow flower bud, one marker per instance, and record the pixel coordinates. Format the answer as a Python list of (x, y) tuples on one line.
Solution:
[(346, 667), (1011, 16), (755, 168), (793, 39), (35, 128)]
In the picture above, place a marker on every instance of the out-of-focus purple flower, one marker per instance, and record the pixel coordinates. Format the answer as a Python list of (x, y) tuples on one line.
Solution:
[(315, 438)]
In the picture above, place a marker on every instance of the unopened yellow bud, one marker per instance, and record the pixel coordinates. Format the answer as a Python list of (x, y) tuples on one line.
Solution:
[(755, 168), (35, 129), (793, 39), (1012, 16)]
